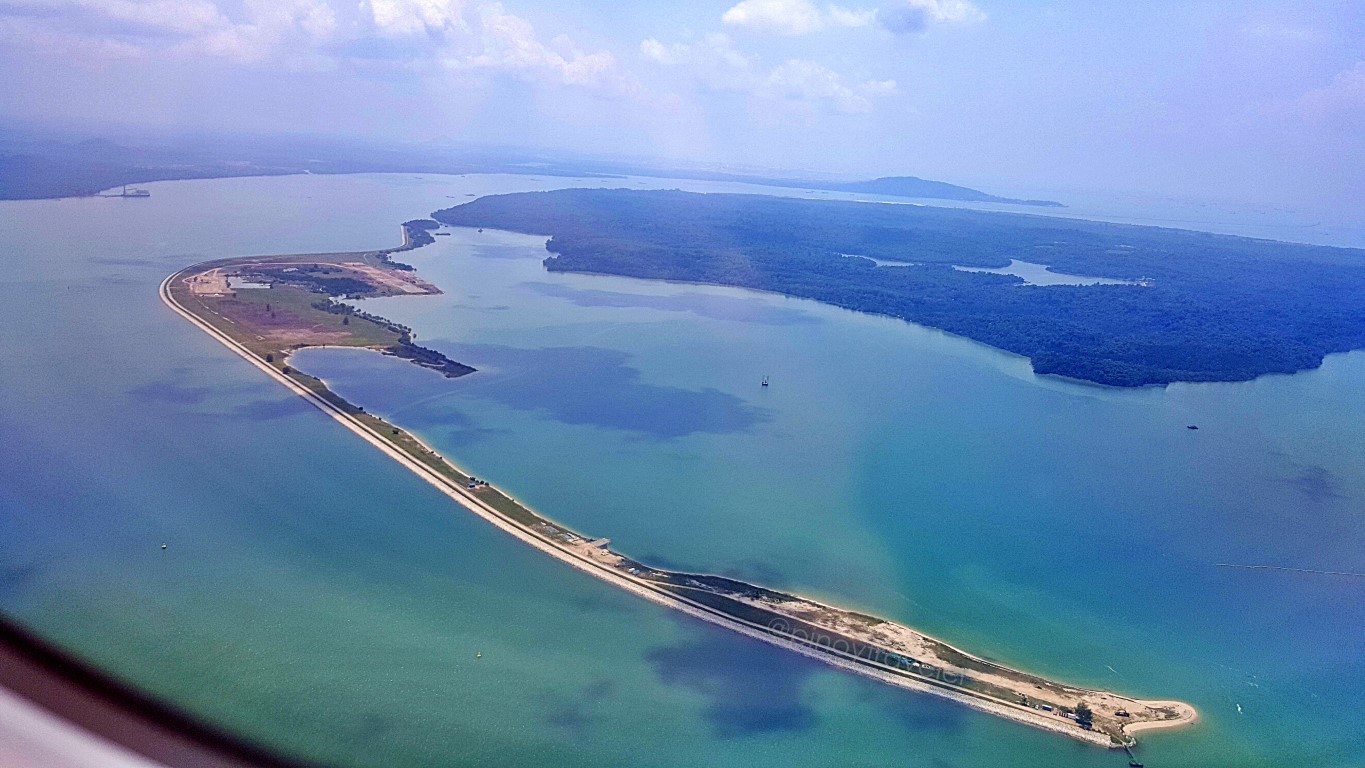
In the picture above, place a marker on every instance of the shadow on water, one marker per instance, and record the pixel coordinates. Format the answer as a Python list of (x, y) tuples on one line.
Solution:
[(168, 391), (570, 713), (747, 310), (573, 385), (595, 386), (19, 579), (461, 437), (1317, 484), (270, 409), (919, 712), (171, 393), (749, 688)]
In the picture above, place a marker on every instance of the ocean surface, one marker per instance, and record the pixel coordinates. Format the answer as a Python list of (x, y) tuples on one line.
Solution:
[(317, 597)]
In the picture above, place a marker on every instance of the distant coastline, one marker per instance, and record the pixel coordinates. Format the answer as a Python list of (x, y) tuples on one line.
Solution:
[(47, 170), (273, 321)]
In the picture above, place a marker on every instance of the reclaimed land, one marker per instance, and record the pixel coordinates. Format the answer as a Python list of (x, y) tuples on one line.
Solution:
[(1197, 306), (264, 308)]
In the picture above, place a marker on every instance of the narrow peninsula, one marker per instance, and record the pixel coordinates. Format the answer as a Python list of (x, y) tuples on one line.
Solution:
[(265, 308)]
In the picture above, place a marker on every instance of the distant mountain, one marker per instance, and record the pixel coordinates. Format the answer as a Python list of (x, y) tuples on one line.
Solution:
[(38, 167), (913, 186), (894, 186)]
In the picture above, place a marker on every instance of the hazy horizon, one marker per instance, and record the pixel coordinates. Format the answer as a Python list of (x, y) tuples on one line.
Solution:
[(1249, 102)]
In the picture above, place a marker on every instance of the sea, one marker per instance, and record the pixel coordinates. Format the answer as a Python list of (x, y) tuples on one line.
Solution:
[(317, 598)]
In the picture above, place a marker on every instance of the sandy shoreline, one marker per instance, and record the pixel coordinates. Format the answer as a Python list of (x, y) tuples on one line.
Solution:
[(600, 563)]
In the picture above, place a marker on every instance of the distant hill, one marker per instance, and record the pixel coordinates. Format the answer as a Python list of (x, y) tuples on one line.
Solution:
[(913, 186), (894, 186)]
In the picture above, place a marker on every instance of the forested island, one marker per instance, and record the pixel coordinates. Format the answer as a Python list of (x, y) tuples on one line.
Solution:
[(1201, 307)]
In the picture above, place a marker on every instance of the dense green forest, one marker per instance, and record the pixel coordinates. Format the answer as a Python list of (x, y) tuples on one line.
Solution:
[(1213, 307)]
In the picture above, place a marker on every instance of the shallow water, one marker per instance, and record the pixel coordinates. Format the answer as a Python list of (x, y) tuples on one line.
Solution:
[(316, 596), (1030, 273), (1040, 274)]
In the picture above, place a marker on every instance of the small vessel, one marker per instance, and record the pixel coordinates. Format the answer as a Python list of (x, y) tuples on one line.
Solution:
[(1191, 426), (478, 654), (765, 381)]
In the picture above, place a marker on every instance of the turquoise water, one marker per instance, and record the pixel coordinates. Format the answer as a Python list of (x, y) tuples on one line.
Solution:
[(316, 596)]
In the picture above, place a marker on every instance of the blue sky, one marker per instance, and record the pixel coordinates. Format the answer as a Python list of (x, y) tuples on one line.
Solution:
[(1258, 101)]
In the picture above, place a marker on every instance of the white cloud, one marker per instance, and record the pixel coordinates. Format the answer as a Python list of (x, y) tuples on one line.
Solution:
[(911, 16), (1340, 101), (951, 11), (783, 17), (811, 83), (282, 31), (503, 42), (122, 17), (434, 36), (657, 52), (78, 50), (175, 29), (793, 17), (715, 63), (410, 17), (802, 17), (844, 17)]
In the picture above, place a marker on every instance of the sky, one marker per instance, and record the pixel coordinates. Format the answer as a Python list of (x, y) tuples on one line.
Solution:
[(1251, 101)]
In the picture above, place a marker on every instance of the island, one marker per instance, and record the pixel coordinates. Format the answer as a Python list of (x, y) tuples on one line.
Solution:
[(893, 186), (264, 308), (1191, 306)]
